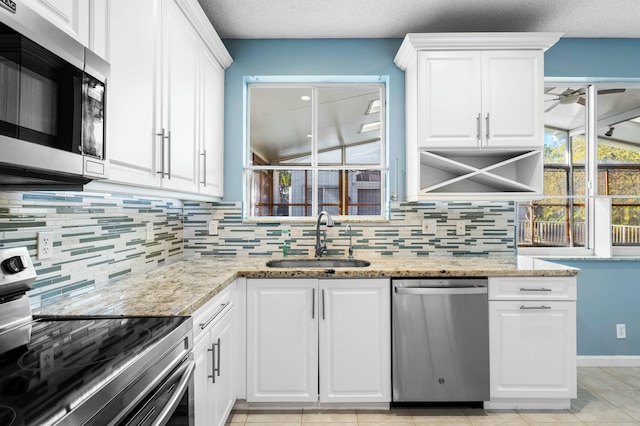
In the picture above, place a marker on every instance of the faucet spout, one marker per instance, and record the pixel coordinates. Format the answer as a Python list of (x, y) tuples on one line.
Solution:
[(321, 246)]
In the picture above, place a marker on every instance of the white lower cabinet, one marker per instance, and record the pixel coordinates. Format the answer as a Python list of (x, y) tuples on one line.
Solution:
[(214, 387), (324, 340), (532, 329)]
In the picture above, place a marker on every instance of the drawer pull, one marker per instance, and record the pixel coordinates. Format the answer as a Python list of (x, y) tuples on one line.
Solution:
[(535, 307), (205, 324), (535, 289)]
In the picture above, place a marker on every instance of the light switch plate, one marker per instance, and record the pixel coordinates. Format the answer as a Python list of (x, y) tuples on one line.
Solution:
[(429, 226), (621, 331), (460, 227)]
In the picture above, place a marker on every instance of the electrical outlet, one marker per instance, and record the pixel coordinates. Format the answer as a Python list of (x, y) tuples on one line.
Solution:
[(150, 234), (429, 226), (45, 245), (213, 227), (621, 331), (460, 227)]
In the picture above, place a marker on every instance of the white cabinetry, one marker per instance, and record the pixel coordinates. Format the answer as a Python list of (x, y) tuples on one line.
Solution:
[(345, 321), (87, 21), (166, 97), (532, 330), (214, 387), (474, 123)]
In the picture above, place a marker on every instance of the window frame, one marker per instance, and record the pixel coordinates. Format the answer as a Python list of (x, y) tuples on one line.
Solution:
[(598, 212), (315, 82)]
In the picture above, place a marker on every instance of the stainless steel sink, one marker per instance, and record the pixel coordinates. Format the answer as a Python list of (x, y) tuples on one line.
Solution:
[(318, 263)]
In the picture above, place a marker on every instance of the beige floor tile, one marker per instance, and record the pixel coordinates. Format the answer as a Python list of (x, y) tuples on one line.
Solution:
[(237, 417), (627, 401), (629, 375), (444, 423), (439, 415), (549, 416), (329, 416), (394, 416), (478, 415), (598, 379), (578, 422), (598, 411), (282, 417)]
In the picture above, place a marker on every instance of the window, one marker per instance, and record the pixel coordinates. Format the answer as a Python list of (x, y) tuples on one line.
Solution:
[(314, 147), (581, 149)]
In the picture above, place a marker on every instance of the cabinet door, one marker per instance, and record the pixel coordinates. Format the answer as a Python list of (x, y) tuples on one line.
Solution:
[(355, 348), (133, 117), (180, 51), (282, 340), (212, 125), (203, 406), (533, 349), (99, 27), (449, 103), (223, 389), (512, 98), (71, 16)]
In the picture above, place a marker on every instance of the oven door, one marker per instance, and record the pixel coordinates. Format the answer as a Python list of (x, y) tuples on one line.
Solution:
[(170, 403)]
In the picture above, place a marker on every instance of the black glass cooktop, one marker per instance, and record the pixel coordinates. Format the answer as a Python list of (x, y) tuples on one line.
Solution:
[(48, 367)]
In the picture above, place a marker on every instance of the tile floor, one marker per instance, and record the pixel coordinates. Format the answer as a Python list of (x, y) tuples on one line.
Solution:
[(606, 396)]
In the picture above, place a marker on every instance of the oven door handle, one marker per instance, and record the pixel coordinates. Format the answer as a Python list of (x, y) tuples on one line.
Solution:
[(186, 371)]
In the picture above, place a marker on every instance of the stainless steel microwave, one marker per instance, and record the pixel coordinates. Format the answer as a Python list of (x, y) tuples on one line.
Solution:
[(52, 106)]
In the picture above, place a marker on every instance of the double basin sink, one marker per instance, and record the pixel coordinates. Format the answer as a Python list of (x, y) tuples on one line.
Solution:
[(318, 263)]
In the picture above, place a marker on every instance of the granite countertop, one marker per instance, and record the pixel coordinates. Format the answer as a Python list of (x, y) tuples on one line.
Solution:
[(181, 287)]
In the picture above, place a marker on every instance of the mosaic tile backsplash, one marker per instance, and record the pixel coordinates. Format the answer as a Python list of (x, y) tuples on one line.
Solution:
[(489, 231), (100, 237), (96, 237)]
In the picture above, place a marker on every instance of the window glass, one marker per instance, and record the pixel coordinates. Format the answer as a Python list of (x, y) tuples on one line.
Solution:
[(619, 160), (316, 147), (558, 219)]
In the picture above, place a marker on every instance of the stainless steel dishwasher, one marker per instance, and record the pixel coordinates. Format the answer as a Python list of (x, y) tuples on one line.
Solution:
[(440, 340)]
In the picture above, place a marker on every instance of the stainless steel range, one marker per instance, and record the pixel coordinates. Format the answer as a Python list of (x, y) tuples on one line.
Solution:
[(88, 370)]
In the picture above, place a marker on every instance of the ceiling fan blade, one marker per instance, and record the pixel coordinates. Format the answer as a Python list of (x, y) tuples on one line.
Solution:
[(581, 101), (548, 89), (552, 106), (609, 91)]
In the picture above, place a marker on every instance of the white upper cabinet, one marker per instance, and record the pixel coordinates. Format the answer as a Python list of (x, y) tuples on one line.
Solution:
[(473, 99), (87, 21), (176, 68), (474, 127)]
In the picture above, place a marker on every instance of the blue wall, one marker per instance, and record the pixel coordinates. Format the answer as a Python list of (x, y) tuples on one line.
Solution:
[(317, 57), (608, 292)]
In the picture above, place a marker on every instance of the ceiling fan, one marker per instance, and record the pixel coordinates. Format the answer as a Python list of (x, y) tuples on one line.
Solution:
[(570, 96)]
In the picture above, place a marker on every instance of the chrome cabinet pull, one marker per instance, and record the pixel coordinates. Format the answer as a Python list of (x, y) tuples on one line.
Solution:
[(215, 366), (323, 303), (214, 316), (535, 307), (535, 289), (169, 155), (488, 121), (478, 129), (204, 168), (162, 138), (313, 303)]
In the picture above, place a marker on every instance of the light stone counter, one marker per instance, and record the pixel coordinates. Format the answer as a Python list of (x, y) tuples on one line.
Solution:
[(180, 288)]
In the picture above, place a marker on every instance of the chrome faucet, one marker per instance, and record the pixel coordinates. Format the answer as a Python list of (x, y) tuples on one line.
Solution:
[(350, 243), (321, 246)]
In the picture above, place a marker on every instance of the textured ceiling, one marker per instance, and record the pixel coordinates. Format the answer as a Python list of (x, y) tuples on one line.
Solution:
[(395, 18)]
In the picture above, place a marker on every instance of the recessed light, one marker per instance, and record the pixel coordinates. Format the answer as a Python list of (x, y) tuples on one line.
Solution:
[(305, 98), (309, 136)]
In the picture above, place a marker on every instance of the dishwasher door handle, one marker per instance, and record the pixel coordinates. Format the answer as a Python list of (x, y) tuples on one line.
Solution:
[(425, 291)]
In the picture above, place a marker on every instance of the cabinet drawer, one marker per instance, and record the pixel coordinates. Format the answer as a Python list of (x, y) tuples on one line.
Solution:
[(204, 318), (532, 288)]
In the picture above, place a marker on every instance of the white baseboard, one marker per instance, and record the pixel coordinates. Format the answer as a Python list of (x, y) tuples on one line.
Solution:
[(609, 361)]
